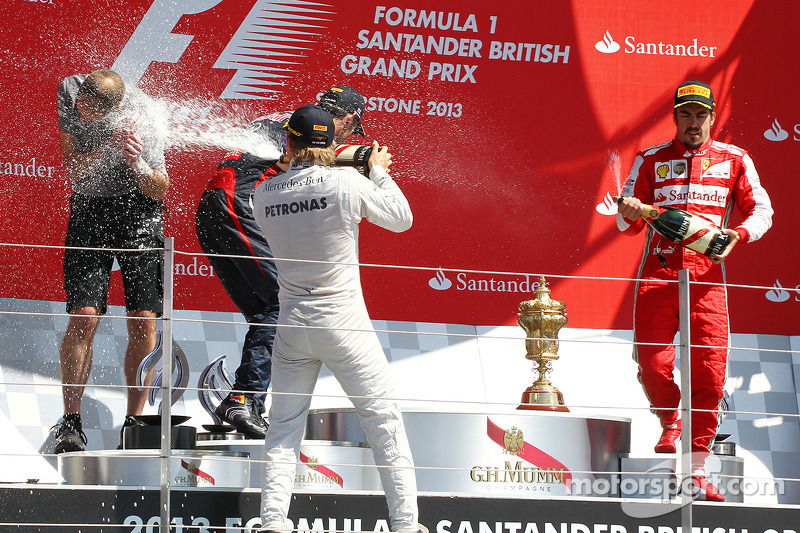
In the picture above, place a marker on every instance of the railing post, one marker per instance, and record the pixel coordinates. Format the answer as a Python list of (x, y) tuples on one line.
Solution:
[(166, 382), (684, 310)]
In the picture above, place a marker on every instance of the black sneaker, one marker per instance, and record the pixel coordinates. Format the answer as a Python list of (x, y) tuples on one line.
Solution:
[(241, 411), (130, 420), (69, 435)]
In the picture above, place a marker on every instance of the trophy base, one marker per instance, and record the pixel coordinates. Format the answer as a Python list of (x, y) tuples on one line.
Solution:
[(534, 407), (543, 401)]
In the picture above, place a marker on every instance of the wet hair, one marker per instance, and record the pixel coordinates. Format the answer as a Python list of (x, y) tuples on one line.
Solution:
[(314, 154), (339, 112), (334, 110), (305, 153), (106, 87)]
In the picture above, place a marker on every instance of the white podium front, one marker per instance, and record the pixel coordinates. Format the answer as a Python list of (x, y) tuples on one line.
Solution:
[(523, 453)]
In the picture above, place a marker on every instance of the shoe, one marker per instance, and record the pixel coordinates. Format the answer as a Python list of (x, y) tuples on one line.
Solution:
[(703, 489), (69, 435), (670, 435), (130, 420), (241, 411)]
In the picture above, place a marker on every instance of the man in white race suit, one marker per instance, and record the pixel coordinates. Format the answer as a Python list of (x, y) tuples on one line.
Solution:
[(310, 215)]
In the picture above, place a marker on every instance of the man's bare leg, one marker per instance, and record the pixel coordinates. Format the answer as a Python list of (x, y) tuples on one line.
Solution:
[(76, 364), (76, 356)]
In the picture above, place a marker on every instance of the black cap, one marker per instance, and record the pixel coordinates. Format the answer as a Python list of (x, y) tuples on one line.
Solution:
[(694, 92), (308, 121), (347, 99)]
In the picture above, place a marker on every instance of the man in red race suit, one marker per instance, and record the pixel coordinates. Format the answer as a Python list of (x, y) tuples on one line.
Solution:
[(706, 178), (225, 226)]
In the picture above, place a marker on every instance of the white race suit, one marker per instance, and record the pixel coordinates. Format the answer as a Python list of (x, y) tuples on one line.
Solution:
[(311, 213)]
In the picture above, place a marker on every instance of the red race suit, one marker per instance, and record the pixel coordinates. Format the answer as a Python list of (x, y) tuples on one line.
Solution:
[(707, 181)]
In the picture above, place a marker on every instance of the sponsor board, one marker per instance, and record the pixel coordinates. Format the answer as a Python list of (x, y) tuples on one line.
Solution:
[(500, 124)]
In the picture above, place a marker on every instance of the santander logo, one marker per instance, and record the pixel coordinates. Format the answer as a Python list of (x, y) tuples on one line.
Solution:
[(607, 207), (776, 133), (440, 281), (607, 45), (484, 282), (778, 293)]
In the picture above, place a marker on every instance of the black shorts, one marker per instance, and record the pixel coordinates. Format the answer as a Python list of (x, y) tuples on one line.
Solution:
[(120, 222)]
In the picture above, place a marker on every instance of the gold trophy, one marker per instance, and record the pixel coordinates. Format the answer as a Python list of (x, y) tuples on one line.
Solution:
[(542, 318)]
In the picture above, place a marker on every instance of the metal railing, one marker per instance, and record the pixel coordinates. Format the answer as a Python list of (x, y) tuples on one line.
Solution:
[(168, 321)]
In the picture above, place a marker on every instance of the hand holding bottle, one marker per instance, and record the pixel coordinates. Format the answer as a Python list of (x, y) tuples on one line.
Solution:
[(692, 231), (363, 158), (380, 156), (734, 238), (629, 207), (354, 155)]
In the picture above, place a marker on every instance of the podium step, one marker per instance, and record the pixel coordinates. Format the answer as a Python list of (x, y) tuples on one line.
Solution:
[(522, 454), (654, 478), (188, 468)]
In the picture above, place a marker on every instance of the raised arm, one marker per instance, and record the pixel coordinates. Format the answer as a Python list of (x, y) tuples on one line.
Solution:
[(153, 182), (382, 201)]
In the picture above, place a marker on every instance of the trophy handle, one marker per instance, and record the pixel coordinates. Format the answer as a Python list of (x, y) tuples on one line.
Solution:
[(180, 377), (213, 386), (149, 362)]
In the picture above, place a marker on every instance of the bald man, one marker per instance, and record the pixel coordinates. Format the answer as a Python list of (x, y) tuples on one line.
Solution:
[(119, 180)]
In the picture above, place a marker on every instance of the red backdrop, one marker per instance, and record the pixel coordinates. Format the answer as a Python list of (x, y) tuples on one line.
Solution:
[(510, 127)]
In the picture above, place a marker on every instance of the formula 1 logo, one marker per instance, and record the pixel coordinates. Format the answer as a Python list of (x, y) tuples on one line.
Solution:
[(265, 51)]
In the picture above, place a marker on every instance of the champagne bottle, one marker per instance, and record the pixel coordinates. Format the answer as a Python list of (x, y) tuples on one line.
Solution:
[(353, 155), (692, 231)]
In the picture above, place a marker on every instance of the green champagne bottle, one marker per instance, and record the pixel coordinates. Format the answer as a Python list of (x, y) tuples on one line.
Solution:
[(692, 231)]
